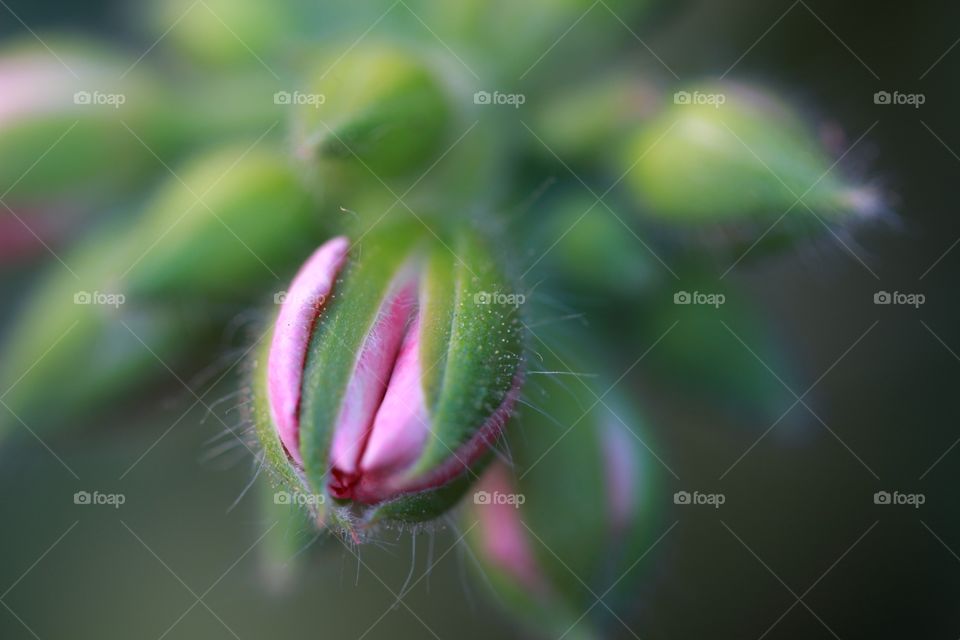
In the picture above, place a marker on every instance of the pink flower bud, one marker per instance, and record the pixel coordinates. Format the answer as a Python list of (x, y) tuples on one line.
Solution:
[(389, 376)]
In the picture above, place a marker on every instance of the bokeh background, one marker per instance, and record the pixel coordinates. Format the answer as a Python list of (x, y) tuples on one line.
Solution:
[(799, 535)]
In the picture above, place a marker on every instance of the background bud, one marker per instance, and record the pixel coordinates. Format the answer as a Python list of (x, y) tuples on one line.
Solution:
[(174, 277), (583, 459), (225, 229), (725, 153), (223, 32), (593, 250), (69, 114), (586, 121), (382, 107)]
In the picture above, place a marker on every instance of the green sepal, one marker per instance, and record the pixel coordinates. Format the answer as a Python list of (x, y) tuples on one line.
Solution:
[(474, 364)]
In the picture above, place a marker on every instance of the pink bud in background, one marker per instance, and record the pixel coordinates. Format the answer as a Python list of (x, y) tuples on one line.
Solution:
[(571, 517)]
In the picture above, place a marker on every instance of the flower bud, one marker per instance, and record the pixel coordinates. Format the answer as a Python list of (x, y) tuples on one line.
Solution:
[(516, 36), (61, 137), (378, 108), (392, 368), (728, 155), (223, 32), (584, 122), (574, 506), (224, 231), (174, 276)]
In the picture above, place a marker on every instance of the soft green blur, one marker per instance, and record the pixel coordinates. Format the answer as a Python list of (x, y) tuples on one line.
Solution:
[(697, 200)]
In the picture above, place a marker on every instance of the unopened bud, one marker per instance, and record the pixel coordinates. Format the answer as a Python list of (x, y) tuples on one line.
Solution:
[(386, 384), (574, 508), (728, 155)]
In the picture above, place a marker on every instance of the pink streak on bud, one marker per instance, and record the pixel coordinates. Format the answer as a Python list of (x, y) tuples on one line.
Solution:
[(620, 473), (401, 427), (288, 350), (504, 540), (372, 489), (27, 233), (368, 384)]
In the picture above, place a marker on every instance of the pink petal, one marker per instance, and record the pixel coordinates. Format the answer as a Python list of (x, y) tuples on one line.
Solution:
[(401, 427), (368, 384), (376, 489), (288, 350), (26, 233), (620, 472), (503, 537)]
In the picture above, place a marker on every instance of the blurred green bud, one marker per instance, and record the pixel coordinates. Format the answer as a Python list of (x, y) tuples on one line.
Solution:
[(69, 342), (514, 37), (728, 154), (62, 133), (224, 230), (223, 32), (593, 250), (702, 356), (584, 122), (575, 506), (378, 107), (392, 369), (174, 277)]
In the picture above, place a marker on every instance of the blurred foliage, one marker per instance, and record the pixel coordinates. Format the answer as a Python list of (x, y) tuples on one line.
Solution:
[(250, 132)]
